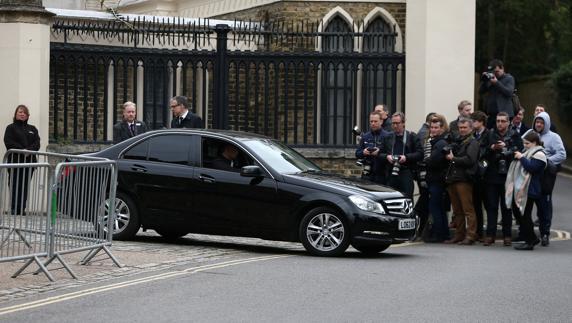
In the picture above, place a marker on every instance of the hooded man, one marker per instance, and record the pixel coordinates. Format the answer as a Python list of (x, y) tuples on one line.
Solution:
[(556, 154)]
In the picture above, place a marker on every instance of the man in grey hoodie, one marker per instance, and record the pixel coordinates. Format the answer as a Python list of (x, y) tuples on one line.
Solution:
[(554, 148)]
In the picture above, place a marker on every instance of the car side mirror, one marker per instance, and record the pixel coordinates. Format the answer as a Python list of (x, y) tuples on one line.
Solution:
[(251, 171)]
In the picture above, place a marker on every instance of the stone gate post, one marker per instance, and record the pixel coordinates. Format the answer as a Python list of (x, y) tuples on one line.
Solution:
[(24, 63)]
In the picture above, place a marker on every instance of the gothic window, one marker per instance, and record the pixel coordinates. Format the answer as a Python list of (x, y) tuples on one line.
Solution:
[(378, 81), (337, 85)]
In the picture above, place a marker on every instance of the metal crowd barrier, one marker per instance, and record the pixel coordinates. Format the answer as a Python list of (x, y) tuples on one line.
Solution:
[(55, 204)]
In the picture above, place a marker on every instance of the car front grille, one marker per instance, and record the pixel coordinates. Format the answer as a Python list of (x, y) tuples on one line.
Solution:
[(399, 207)]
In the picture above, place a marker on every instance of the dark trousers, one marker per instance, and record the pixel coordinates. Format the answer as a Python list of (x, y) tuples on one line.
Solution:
[(494, 197), (478, 199), (19, 182), (544, 208), (422, 209), (440, 228), (525, 220), (403, 182)]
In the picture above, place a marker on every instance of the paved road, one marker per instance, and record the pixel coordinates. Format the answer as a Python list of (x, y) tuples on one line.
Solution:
[(204, 278)]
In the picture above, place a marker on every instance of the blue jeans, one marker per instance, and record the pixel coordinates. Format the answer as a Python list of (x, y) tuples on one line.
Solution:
[(494, 197), (440, 229)]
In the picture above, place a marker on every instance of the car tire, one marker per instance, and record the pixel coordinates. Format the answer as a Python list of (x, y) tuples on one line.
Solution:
[(370, 249), (170, 234), (127, 222), (324, 232)]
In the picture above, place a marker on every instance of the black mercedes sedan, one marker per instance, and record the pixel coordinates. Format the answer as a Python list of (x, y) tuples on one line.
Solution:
[(181, 181)]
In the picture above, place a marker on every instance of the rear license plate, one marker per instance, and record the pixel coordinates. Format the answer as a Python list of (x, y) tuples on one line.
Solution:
[(407, 224)]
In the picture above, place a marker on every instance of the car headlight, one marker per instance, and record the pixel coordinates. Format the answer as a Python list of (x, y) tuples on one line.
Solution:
[(366, 204)]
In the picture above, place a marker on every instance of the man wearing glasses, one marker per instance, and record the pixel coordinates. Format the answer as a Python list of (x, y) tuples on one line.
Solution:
[(401, 150), (182, 117), (499, 147)]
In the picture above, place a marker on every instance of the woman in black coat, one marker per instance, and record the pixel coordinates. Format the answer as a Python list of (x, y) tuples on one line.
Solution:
[(21, 135)]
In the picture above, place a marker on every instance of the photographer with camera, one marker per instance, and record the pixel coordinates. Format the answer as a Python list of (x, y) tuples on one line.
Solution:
[(436, 168), (499, 147), (500, 88), (462, 153), (401, 150), (368, 150)]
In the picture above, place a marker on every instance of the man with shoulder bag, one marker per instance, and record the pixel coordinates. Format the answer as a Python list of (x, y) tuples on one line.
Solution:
[(462, 155)]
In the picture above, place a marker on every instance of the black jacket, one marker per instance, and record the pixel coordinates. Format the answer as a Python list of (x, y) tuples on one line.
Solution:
[(191, 120), (464, 164), (413, 150), (436, 163), (21, 135), (513, 142), (373, 140), (499, 97), (122, 132)]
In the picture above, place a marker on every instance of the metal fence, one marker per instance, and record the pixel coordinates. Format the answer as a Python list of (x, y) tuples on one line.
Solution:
[(55, 204), (305, 84)]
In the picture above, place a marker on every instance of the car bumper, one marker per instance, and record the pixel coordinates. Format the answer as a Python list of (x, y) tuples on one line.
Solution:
[(377, 228)]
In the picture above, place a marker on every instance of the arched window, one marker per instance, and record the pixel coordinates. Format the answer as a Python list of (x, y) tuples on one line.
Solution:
[(379, 37), (337, 85), (379, 79)]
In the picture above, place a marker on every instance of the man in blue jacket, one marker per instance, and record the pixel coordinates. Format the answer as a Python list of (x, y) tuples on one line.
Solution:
[(554, 148), (368, 149)]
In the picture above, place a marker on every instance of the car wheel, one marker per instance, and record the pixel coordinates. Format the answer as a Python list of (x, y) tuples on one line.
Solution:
[(324, 232), (126, 222), (170, 234), (370, 249)]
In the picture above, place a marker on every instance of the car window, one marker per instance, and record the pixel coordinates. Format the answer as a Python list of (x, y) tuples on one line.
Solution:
[(173, 149), (282, 158), (223, 155), (137, 152)]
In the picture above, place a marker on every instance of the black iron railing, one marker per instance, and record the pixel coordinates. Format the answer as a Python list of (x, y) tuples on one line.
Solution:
[(284, 80)]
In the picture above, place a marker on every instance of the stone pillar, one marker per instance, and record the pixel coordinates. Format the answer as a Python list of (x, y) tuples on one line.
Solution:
[(440, 47), (24, 63)]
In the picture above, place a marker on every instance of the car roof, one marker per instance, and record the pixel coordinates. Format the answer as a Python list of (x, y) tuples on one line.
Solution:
[(230, 134)]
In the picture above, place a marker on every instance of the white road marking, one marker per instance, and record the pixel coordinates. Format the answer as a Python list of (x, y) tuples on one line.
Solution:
[(100, 289)]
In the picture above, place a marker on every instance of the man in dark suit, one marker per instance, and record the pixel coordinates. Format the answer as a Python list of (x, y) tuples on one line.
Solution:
[(129, 126), (517, 124), (182, 117)]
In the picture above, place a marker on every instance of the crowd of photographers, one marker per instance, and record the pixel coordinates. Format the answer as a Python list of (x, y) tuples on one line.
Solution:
[(465, 165)]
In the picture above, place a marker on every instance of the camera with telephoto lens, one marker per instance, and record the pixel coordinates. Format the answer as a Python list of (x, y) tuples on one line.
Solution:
[(396, 166), (364, 163), (503, 157), (489, 74), (451, 146)]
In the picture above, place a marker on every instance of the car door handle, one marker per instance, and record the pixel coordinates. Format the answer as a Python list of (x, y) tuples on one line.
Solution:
[(139, 169), (206, 179)]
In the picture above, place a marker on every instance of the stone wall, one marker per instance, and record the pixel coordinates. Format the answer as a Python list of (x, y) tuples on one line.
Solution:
[(313, 11)]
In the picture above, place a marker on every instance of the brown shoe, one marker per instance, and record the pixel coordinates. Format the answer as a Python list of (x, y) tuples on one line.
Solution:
[(454, 240), (489, 241), (507, 242), (467, 242)]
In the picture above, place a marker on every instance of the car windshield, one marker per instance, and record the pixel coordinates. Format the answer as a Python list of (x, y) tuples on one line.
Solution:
[(280, 157)]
